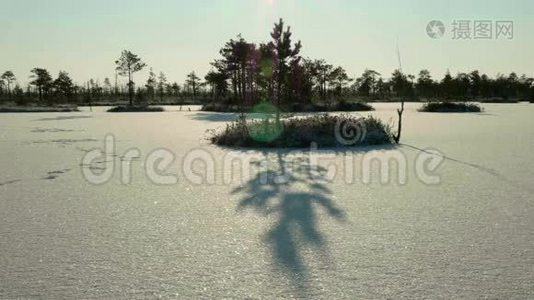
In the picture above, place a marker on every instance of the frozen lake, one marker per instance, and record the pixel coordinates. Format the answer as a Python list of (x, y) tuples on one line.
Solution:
[(468, 235)]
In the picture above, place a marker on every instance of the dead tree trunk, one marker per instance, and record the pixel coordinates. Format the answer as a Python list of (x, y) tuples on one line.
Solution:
[(399, 127)]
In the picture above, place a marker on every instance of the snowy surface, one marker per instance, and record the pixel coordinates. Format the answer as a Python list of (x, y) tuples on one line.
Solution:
[(470, 236)]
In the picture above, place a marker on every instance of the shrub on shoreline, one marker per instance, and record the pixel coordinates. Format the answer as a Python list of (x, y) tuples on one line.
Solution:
[(221, 107), (340, 106), (499, 100), (134, 108), (158, 103), (450, 107), (323, 130), (38, 109)]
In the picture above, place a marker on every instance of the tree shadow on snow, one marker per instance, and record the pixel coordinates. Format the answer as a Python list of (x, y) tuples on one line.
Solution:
[(61, 118), (214, 116), (295, 192)]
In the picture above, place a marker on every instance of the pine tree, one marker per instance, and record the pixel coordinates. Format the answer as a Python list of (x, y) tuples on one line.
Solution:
[(127, 65)]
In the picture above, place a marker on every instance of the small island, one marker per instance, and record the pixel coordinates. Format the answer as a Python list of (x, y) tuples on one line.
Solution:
[(272, 78), (319, 130), (135, 108), (450, 107)]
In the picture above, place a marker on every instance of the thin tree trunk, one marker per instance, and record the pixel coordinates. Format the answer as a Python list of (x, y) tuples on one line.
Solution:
[(130, 88), (244, 84), (399, 127)]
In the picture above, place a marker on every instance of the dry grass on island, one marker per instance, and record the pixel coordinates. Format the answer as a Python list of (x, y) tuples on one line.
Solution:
[(321, 130)]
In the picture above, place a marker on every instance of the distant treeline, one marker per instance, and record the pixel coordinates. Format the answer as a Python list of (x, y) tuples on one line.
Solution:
[(247, 73), (45, 90)]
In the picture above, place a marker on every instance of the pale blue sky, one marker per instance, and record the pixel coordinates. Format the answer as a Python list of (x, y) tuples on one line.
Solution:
[(85, 37)]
